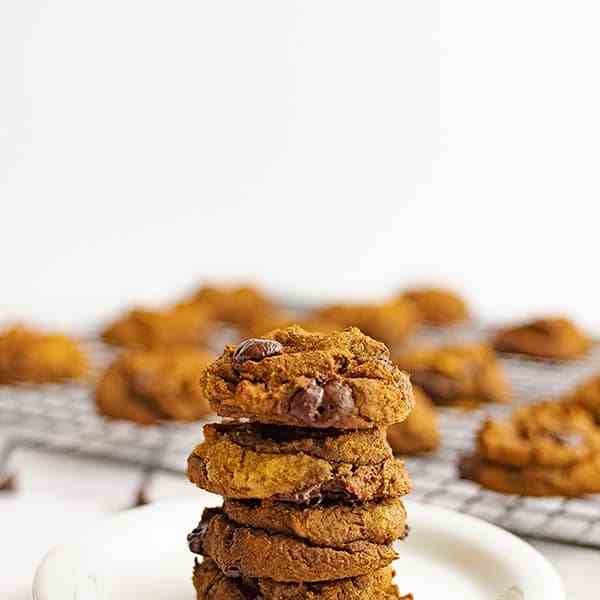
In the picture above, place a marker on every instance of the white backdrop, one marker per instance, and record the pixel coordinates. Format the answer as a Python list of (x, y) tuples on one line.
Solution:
[(323, 147)]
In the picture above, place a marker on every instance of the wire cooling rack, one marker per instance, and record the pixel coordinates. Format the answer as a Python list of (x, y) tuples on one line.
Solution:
[(62, 418)]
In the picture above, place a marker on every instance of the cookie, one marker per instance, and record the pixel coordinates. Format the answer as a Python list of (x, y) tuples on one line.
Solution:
[(391, 322), (292, 377), (251, 461), (554, 338), (150, 386), (211, 584), (438, 306), (587, 395), (550, 449), (420, 432), (154, 329), (238, 306), (29, 356), (462, 376), (255, 553), (328, 524)]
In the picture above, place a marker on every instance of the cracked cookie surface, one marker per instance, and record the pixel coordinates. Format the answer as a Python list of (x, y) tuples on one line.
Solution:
[(252, 461), (463, 376), (248, 552), (211, 584), (292, 377), (334, 525)]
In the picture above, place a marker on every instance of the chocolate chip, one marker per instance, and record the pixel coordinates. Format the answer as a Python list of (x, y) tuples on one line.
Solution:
[(232, 570), (255, 349), (249, 591), (322, 406)]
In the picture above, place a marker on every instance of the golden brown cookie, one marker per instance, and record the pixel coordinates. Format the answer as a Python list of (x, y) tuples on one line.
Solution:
[(549, 449), (554, 338), (248, 461), (255, 553), (186, 326), (587, 395), (391, 322), (149, 386), (462, 376), (211, 584), (29, 356), (328, 524), (292, 377), (238, 306), (438, 306), (419, 432)]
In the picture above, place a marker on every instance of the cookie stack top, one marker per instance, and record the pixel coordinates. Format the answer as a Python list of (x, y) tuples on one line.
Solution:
[(342, 380), (312, 489)]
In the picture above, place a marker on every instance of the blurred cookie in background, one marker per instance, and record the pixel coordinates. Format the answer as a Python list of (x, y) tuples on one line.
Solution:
[(281, 319), (437, 306), (548, 449), (420, 432), (552, 338), (32, 356), (235, 305), (391, 323), (152, 328), (155, 385), (587, 395), (457, 375)]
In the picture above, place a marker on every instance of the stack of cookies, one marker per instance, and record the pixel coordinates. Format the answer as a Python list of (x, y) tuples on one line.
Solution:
[(311, 489)]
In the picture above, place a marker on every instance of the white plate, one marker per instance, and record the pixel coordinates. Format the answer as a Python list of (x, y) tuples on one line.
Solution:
[(142, 553)]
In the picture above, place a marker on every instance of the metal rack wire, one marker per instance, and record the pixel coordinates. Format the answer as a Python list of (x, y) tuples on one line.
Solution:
[(62, 418)]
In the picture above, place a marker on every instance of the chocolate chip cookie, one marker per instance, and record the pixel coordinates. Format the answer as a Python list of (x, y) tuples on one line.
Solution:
[(437, 306), (390, 322), (292, 377), (143, 328), (327, 524), (237, 305), (149, 386), (212, 584), (248, 552), (252, 461), (553, 338), (420, 432), (462, 376), (29, 356), (587, 395), (550, 449)]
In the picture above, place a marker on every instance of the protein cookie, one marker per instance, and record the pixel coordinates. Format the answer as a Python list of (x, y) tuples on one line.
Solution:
[(555, 338), (328, 524), (420, 432), (438, 306), (391, 322), (462, 376), (255, 553), (29, 356), (292, 377), (149, 386), (551, 449), (248, 461), (211, 584)]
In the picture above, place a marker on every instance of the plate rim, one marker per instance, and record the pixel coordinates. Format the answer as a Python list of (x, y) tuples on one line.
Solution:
[(448, 519)]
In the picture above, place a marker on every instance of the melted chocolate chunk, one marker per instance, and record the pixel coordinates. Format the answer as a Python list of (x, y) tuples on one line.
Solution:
[(322, 406), (232, 570), (255, 349)]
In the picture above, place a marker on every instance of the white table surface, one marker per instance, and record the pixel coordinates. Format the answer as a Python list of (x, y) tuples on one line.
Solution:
[(57, 497)]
